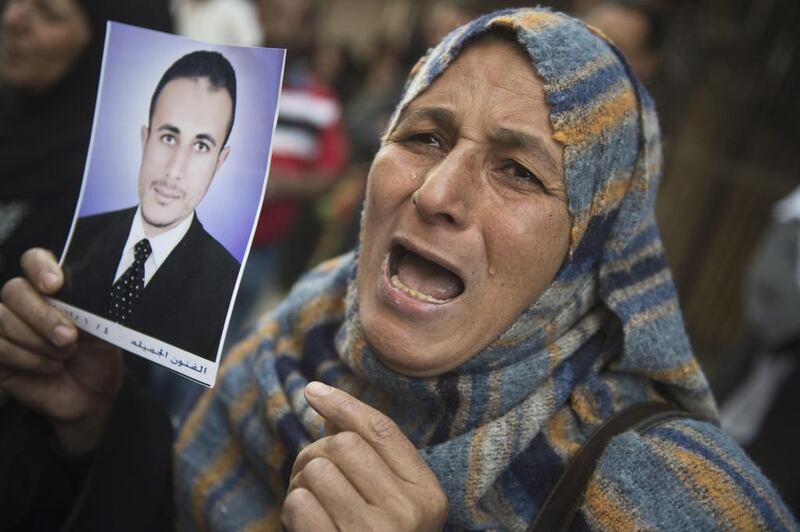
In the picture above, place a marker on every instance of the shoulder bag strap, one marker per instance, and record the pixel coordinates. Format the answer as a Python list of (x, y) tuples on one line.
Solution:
[(559, 508)]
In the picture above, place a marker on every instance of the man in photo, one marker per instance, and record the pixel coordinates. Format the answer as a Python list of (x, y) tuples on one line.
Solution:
[(153, 267)]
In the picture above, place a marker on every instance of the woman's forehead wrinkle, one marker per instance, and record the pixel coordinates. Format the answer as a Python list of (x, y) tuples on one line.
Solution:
[(468, 81), (440, 117)]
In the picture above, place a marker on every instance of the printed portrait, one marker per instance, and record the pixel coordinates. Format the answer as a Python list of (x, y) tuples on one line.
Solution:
[(172, 187)]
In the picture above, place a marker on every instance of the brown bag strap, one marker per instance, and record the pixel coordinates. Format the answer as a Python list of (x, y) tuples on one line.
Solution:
[(559, 508)]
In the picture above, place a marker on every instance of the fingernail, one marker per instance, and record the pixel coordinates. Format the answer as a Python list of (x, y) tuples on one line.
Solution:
[(62, 335), (318, 388), (50, 280)]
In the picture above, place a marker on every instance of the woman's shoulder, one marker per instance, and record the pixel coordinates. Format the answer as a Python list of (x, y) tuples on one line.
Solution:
[(683, 474)]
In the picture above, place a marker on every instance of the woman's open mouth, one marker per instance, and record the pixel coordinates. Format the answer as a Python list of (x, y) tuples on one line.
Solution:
[(422, 278)]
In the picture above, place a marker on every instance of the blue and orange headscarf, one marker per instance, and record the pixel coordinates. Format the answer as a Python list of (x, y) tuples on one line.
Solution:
[(605, 334)]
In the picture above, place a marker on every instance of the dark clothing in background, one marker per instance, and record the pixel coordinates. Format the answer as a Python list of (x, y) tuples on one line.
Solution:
[(43, 144), (125, 484), (44, 139), (186, 301)]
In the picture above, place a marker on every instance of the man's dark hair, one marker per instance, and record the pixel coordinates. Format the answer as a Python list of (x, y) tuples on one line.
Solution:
[(202, 64)]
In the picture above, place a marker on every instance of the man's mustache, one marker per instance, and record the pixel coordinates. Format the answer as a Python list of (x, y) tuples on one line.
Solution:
[(167, 189)]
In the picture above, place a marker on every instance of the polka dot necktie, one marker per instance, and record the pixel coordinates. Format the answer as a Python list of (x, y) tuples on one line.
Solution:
[(127, 291)]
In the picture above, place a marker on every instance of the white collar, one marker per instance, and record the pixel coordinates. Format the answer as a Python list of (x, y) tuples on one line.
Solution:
[(162, 245)]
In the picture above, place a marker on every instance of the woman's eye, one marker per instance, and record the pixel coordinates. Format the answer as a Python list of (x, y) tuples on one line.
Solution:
[(427, 139), (521, 173)]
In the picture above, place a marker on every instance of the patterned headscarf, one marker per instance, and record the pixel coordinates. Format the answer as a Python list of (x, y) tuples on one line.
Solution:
[(497, 430)]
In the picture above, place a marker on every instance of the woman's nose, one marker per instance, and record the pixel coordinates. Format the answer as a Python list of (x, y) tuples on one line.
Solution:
[(443, 194)]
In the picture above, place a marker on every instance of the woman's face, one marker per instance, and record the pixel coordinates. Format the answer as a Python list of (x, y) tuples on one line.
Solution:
[(41, 40), (466, 218)]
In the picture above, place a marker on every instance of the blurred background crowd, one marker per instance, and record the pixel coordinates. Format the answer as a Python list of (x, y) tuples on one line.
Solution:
[(725, 75)]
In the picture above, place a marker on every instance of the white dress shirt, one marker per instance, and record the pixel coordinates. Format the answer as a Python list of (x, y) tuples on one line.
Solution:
[(162, 245)]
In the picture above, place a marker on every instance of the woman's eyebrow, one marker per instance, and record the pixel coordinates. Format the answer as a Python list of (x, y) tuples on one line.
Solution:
[(443, 118), (512, 138)]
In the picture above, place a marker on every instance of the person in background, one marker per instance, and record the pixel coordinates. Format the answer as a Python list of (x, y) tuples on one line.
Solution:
[(439, 19), (50, 58), (218, 21), (368, 111), (309, 149), (332, 64), (638, 29), (366, 116)]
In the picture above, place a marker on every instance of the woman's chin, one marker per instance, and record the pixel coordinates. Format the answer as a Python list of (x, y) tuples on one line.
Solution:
[(407, 366), (421, 357)]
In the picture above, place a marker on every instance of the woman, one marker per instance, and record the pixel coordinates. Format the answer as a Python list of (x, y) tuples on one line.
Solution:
[(509, 294), (49, 67)]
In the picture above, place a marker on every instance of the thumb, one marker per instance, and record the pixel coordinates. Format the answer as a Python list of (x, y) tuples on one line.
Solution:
[(42, 270)]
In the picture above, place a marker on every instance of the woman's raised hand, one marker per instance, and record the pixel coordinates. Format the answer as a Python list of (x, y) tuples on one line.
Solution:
[(364, 475), (47, 365)]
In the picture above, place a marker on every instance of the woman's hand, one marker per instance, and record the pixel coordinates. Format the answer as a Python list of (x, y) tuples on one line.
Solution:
[(364, 475), (47, 365)]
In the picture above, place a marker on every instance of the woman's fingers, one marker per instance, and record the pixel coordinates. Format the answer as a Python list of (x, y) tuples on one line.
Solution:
[(17, 358), (45, 394), (34, 336), (333, 490), (42, 269), (82, 391), (26, 317), (359, 463), (302, 511), (368, 464), (378, 430), (45, 366), (19, 334)]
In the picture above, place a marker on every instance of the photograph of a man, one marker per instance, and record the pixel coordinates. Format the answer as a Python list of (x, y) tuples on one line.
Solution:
[(153, 267)]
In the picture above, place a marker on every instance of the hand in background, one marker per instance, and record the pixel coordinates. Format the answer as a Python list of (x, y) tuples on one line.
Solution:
[(47, 365), (364, 475)]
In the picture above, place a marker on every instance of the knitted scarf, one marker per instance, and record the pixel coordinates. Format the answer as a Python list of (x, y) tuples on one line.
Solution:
[(498, 429)]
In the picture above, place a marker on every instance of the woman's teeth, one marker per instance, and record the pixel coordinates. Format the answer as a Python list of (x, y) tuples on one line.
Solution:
[(414, 293)]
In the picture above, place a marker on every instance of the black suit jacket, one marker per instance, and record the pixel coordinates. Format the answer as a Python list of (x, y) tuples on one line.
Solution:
[(186, 301)]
